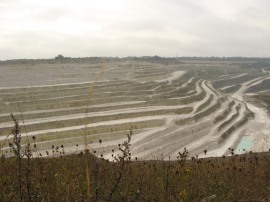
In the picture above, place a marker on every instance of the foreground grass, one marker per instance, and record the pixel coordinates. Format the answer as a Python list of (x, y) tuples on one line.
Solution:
[(235, 178), (27, 176)]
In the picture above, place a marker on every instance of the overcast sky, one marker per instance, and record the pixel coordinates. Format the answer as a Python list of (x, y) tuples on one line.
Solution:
[(84, 28)]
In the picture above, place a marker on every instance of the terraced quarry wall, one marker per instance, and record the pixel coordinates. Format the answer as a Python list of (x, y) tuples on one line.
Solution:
[(169, 106)]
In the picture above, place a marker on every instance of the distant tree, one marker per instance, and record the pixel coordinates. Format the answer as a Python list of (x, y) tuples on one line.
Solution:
[(59, 56)]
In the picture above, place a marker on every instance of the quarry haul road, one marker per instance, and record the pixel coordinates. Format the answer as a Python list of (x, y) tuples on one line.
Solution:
[(169, 89)]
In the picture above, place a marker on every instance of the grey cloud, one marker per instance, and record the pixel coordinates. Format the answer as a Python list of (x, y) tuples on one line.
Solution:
[(186, 27)]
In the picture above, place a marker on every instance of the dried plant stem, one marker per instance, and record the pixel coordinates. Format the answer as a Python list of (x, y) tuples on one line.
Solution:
[(87, 172), (17, 152), (28, 153), (21, 114)]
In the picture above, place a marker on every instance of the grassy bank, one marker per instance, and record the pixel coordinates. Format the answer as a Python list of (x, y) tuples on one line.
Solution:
[(62, 178)]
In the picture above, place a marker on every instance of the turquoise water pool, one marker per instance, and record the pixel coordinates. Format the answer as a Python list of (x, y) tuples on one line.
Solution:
[(245, 143)]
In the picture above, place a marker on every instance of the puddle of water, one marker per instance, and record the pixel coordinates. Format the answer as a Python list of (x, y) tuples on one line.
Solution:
[(245, 143)]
